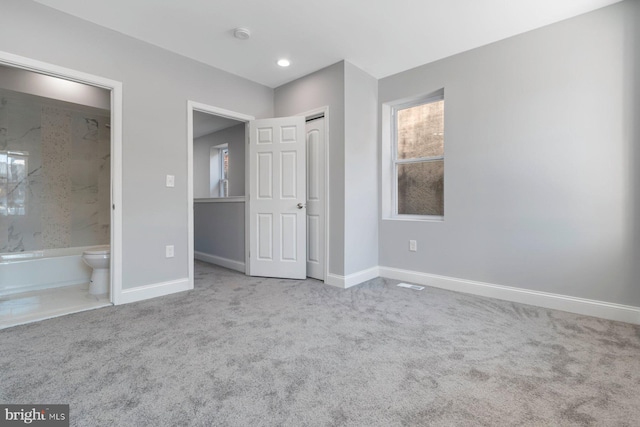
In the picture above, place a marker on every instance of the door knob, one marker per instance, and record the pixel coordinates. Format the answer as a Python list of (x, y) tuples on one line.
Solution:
[(300, 206)]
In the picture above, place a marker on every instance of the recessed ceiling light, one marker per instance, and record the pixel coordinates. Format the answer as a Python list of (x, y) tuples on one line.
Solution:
[(284, 62), (242, 33)]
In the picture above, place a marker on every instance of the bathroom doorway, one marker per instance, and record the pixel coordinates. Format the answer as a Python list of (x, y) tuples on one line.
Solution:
[(60, 190)]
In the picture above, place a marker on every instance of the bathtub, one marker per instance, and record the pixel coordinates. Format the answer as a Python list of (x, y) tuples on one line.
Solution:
[(43, 269)]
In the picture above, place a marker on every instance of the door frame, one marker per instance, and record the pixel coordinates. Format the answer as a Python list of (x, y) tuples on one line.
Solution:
[(115, 87), (316, 112), (217, 111)]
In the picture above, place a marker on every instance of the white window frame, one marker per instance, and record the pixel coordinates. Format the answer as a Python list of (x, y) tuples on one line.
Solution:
[(390, 159), (223, 182), (216, 171)]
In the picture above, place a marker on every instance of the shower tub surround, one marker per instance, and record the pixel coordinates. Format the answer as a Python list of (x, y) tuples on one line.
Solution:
[(54, 174)]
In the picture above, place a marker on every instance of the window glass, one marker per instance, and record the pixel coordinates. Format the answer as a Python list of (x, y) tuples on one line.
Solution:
[(421, 188), (419, 158), (224, 172), (13, 182), (420, 131)]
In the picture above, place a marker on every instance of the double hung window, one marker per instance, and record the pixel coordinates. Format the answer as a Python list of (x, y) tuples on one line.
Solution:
[(418, 157)]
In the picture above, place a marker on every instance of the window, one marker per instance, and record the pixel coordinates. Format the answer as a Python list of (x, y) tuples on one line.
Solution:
[(418, 157), (224, 171), (219, 171), (13, 182)]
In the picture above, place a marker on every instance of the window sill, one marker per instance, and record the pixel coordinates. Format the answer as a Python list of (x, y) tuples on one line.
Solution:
[(238, 199), (415, 218)]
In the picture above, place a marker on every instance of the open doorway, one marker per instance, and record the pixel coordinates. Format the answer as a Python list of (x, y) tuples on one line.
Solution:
[(219, 189), (216, 188), (60, 190), (217, 215)]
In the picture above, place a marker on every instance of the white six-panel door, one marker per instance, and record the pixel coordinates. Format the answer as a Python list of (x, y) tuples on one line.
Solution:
[(315, 198), (277, 198)]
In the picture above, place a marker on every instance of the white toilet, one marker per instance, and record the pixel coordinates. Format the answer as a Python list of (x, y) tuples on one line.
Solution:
[(98, 259)]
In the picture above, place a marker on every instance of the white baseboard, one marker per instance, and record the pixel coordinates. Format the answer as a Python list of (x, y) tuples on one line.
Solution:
[(605, 310), (352, 279), (223, 262), (151, 291)]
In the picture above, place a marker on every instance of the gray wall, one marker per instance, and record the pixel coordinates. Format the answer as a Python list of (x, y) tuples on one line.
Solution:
[(201, 181), (351, 96), (361, 170), (157, 85), (319, 89), (235, 137), (220, 229), (542, 159)]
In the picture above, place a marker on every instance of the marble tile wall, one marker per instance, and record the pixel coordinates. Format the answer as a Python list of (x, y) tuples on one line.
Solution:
[(62, 198), (55, 198)]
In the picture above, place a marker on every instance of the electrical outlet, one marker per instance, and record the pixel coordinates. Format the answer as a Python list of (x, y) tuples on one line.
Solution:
[(171, 181), (413, 245), (169, 251)]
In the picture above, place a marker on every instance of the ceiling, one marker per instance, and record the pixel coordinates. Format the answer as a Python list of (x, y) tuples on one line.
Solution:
[(382, 37), (205, 123)]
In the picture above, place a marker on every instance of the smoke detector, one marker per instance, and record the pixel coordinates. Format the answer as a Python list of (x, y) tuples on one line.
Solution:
[(241, 33)]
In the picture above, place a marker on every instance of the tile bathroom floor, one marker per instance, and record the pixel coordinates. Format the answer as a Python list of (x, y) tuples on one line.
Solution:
[(32, 306)]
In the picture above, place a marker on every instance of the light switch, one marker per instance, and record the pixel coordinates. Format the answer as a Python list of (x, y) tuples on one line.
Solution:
[(171, 181)]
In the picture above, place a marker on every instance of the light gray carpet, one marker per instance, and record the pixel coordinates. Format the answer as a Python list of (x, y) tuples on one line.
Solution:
[(241, 351)]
